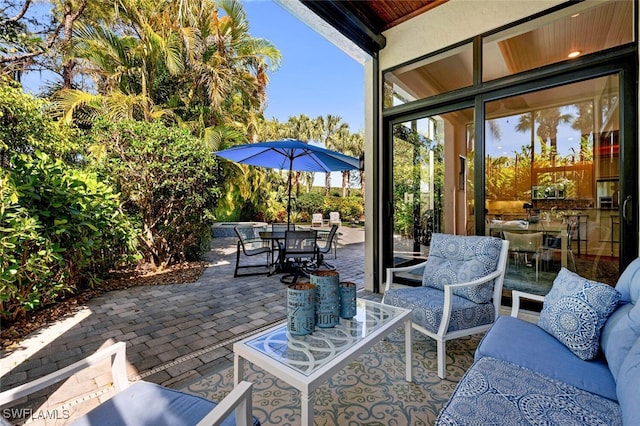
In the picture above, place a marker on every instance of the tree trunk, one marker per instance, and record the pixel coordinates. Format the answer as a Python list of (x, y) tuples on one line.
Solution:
[(69, 62), (327, 184), (345, 182)]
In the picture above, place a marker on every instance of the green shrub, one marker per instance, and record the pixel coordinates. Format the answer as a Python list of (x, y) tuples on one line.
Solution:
[(310, 202), (348, 207), (24, 127), (168, 180), (62, 230)]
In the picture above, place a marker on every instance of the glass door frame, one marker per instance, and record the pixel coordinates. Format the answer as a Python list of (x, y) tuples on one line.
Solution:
[(623, 64)]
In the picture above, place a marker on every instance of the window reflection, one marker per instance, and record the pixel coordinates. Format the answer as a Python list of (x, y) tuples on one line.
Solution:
[(552, 163)]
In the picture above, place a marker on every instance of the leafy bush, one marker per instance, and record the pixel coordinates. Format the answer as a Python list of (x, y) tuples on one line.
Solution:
[(349, 207), (168, 180), (24, 128), (62, 230), (310, 202)]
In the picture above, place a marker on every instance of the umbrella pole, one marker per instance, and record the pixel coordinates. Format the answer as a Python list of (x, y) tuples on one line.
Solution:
[(289, 200)]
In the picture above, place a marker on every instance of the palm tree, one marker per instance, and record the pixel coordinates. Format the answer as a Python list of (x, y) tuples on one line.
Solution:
[(228, 69), (548, 121), (184, 59), (356, 149), (584, 123), (123, 67), (325, 132), (301, 128), (351, 144)]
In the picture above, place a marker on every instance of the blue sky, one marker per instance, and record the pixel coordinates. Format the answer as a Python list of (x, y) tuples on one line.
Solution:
[(315, 78)]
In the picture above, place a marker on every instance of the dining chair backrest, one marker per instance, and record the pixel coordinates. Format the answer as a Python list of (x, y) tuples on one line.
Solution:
[(281, 227), (246, 235), (326, 240), (251, 244), (300, 244), (525, 242)]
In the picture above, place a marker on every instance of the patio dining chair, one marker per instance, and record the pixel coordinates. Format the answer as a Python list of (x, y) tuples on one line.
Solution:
[(299, 253), (334, 218), (524, 244), (250, 245), (552, 246), (326, 242), (461, 289)]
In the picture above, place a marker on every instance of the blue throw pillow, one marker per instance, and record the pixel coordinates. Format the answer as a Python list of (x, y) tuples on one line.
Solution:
[(575, 311)]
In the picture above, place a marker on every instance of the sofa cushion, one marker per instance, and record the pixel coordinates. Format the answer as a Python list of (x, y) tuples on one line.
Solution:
[(496, 392), (628, 383), (619, 334), (526, 344), (428, 303), (575, 310), (145, 403), (628, 291), (457, 259)]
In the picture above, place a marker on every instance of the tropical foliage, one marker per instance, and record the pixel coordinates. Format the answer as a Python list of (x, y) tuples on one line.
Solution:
[(168, 181), (115, 163), (62, 230), (25, 128)]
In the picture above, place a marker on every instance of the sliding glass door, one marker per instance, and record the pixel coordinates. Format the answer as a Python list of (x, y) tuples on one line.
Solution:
[(528, 133), (431, 160), (552, 163)]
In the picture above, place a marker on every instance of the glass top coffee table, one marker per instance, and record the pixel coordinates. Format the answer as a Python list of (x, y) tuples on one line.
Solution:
[(306, 362)]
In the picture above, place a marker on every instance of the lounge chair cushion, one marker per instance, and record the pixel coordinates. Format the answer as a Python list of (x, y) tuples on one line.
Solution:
[(145, 403), (575, 310), (454, 259), (510, 339), (496, 392), (427, 304)]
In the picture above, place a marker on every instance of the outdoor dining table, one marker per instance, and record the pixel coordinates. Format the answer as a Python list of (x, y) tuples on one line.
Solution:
[(275, 236)]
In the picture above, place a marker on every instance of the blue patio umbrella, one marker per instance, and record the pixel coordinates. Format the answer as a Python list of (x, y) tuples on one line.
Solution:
[(290, 154)]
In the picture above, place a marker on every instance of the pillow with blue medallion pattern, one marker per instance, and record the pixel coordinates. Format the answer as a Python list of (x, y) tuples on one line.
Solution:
[(575, 310)]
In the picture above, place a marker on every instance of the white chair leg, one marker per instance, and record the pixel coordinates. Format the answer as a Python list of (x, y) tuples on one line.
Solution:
[(442, 359)]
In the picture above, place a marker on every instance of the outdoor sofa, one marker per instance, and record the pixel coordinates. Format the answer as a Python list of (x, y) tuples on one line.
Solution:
[(566, 369)]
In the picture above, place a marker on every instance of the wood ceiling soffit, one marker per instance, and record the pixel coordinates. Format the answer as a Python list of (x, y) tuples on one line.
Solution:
[(410, 14), (380, 15)]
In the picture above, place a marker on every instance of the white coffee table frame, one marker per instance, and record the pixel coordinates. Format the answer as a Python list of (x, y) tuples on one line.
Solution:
[(306, 362)]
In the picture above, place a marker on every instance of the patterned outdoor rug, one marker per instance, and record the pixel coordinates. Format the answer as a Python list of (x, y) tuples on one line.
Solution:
[(370, 391)]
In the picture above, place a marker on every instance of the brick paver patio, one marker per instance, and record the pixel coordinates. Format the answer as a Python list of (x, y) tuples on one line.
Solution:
[(174, 333)]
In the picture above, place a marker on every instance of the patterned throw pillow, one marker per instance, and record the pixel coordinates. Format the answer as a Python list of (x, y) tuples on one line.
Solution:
[(575, 311)]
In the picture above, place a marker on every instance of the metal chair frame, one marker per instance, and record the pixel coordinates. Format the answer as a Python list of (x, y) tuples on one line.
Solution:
[(330, 241), (300, 250), (247, 239)]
